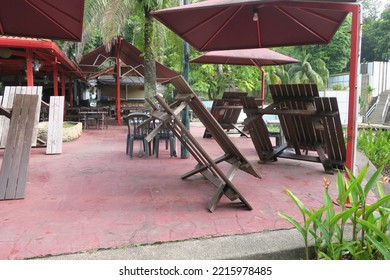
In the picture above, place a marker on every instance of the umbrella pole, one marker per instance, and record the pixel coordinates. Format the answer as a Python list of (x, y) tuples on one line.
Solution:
[(29, 62), (262, 85), (118, 80), (262, 81), (352, 112)]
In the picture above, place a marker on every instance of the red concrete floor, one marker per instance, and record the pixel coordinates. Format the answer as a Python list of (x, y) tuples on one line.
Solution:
[(93, 196)]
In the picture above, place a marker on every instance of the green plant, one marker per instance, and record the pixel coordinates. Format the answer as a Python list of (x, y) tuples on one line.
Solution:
[(365, 99), (376, 146), (370, 223), (339, 87)]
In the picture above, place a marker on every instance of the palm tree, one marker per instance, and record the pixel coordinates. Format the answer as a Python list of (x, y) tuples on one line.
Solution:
[(309, 70)]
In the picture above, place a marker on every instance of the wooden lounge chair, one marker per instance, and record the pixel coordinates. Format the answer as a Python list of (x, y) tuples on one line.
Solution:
[(226, 111), (206, 165), (302, 125)]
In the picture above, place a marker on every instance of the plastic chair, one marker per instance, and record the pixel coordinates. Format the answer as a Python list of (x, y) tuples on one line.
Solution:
[(167, 135), (133, 120)]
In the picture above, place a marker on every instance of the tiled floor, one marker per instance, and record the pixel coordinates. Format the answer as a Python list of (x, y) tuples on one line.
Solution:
[(93, 196)]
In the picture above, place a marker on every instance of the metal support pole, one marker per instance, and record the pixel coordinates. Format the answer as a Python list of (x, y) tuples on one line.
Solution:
[(118, 79), (55, 78), (352, 105), (29, 67), (185, 113), (70, 91)]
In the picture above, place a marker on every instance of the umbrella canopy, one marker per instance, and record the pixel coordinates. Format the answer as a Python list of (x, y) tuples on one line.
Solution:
[(131, 59), (258, 57), (55, 19), (122, 58), (255, 57), (243, 24)]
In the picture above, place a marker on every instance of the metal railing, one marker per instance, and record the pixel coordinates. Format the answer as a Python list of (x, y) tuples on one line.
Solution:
[(386, 109), (372, 109)]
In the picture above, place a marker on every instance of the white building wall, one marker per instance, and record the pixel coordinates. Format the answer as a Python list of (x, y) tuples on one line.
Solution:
[(380, 77), (342, 101)]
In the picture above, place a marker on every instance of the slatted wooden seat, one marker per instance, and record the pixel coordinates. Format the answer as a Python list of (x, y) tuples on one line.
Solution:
[(8, 102), (55, 129), (226, 111), (302, 125), (13, 173), (206, 166), (331, 130), (259, 132)]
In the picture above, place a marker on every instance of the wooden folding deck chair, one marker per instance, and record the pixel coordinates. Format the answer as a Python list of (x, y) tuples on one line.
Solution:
[(206, 165), (226, 111), (13, 173), (302, 125)]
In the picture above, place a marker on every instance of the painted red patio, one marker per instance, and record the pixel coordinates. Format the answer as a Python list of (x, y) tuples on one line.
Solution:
[(93, 196)]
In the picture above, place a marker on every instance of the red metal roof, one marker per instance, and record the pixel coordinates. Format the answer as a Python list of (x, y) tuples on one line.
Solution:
[(46, 51)]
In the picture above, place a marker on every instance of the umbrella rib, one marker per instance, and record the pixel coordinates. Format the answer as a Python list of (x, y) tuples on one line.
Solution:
[(301, 24), (203, 23), (319, 15), (1, 28), (223, 26), (52, 19)]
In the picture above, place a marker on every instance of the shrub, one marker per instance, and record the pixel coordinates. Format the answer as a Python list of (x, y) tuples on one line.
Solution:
[(370, 223), (376, 146)]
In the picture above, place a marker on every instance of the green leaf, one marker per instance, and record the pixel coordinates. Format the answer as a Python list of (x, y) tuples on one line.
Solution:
[(314, 215), (299, 203), (340, 188), (344, 215), (371, 208), (295, 224), (385, 252), (371, 182), (372, 227)]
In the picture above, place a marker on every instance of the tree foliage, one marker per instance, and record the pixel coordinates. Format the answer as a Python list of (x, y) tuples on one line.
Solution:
[(376, 38)]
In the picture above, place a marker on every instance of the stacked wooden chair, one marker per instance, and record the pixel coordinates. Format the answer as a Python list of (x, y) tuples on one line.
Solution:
[(226, 112), (309, 123), (208, 167)]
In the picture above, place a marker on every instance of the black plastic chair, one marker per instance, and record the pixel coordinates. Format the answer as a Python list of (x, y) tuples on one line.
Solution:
[(165, 134), (133, 120)]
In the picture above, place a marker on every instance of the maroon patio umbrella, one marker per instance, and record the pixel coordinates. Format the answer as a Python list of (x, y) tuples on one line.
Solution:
[(245, 24), (240, 24), (54, 19), (126, 57), (255, 57)]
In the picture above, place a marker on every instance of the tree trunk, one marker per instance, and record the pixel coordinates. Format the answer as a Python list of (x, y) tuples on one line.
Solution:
[(149, 61)]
